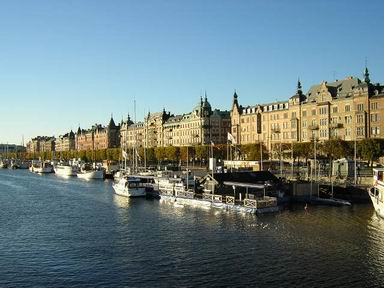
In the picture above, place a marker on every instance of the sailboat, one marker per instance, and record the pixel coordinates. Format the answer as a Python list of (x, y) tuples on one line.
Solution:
[(94, 172), (127, 185)]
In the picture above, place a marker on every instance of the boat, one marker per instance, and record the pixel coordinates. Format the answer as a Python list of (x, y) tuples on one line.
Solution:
[(4, 164), (41, 167), (129, 187), (65, 170), (89, 174), (376, 192)]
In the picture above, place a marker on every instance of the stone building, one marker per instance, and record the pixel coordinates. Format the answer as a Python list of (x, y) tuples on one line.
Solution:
[(201, 126), (65, 142), (41, 144), (132, 134), (348, 109), (98, 137)]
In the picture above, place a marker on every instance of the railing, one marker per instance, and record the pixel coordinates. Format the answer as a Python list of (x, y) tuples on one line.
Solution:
[(217, 198), (207, 196), (185, 194), (230, 200), (250, 203)]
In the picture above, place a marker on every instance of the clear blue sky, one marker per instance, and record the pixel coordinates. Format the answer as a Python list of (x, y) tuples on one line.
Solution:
[(64, 63)]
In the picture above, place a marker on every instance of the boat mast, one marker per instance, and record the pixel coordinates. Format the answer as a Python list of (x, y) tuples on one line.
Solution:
[(134, 149)]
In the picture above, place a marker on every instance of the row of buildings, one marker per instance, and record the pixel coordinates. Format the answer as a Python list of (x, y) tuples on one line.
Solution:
[(201, 126), (350, 109)]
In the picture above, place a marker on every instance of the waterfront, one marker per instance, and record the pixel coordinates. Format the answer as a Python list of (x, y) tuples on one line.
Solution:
[(68, 232)]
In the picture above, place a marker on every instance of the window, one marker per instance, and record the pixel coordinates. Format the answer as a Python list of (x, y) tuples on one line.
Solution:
[(359, 119), (323, 110), (304, 113), (323, 133), (347, 108), (374, 106), (360, 107), (304, 134), (293, 115), (348, 119), (304, 123), (348, 132), (375, 117), (313, 112), (323, 122), (360, 131), (375, 130), (285, 115), (334, 109)]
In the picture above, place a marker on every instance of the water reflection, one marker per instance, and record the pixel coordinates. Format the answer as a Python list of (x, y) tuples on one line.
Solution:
[(375, 237), (121, 201)]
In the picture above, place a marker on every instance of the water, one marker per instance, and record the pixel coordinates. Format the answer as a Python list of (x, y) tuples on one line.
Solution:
[(57, 232)]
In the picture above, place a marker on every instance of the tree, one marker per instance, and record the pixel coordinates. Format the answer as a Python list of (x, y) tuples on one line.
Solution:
[(172, 153), (370, 149), (160, 154), (335, 148)]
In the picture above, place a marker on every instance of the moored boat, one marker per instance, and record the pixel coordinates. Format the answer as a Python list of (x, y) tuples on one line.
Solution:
[(65, 170), (129, 187), (376, 192), (41, 167), (91, 174)]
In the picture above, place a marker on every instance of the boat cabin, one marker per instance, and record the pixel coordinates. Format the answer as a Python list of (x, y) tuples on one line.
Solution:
[(378, 176), (134, 183)]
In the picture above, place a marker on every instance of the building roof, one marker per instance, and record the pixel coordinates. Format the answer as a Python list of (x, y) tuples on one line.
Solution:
[(337, 89)]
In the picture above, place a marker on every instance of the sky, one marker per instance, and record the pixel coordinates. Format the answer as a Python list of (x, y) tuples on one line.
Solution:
[(77, 62)]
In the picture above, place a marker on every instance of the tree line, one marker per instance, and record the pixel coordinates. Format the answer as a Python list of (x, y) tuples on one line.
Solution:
[(369, 150)]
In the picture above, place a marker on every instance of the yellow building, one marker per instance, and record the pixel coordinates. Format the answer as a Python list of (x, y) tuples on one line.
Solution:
[(348, 109)]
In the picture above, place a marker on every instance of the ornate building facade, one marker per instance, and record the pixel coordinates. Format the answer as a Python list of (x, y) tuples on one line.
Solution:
[(65, 142), (41, 144), (199, 127), (98, 137), (348, 109)]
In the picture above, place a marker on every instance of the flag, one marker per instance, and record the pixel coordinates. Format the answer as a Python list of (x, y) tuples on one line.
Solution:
[(231, 139), (125, 155)]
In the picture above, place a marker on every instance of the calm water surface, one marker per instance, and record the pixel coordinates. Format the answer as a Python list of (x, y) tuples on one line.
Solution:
[(57, 232)]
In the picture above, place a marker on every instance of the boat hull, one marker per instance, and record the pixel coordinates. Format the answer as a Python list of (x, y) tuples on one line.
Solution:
[(88, 175), (65, 171), (376, 199), (136, 192)]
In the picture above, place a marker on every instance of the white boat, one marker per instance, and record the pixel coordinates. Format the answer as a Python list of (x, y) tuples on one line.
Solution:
[(65, 170), (91, 174), (129, 187), (376, 192), (41, 168)]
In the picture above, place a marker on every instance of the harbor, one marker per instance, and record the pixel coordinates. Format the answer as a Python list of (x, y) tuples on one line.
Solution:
[(76, 232)]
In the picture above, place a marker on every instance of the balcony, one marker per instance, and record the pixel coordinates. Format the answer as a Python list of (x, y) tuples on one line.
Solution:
[(313, 127), (336, 125)]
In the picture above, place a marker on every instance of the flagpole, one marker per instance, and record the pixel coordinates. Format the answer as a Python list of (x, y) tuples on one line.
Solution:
[(213, 178)]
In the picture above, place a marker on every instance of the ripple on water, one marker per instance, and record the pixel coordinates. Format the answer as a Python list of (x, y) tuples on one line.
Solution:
[(65, 232)]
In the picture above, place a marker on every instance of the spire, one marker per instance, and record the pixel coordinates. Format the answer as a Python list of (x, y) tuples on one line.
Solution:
[(235, 103), (234, 95), (205, 95), (111, 122), (366, 76), (299, 91)]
